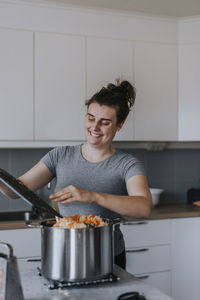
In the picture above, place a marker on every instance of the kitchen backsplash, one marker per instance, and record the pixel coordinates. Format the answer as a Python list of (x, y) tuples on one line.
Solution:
[(174, 170)]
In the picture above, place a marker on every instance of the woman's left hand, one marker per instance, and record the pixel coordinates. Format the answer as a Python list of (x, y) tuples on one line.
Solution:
[(71, 194)]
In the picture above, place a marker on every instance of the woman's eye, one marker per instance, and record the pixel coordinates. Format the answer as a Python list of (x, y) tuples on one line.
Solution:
[(91, 119), (105, 123)]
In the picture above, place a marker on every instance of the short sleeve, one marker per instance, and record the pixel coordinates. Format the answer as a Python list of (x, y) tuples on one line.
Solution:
[(50, 160), (133, 167)]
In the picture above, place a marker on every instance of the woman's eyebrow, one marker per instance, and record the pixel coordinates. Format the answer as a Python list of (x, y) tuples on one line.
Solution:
[(90, 115), (102, 119)]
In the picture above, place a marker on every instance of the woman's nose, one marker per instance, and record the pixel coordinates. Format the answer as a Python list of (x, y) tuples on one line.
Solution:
[(96, 126)]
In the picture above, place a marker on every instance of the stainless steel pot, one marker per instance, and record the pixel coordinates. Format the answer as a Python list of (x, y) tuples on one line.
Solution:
[(77, 254)]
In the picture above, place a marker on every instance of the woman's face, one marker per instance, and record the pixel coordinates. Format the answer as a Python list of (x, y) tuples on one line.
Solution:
[(101, 124)]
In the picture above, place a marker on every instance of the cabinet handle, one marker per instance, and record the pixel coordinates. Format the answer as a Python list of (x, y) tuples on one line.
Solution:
[(142, 276), (135, 223), (137, 250)]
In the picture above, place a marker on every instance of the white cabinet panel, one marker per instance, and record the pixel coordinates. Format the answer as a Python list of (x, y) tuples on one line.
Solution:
[(59, 87), (16, 85), (189, 91), (156, 78), (151, 259), (185, 249), (148, 251), (159, 280), (108, 60), (138, 234), (25, 242)]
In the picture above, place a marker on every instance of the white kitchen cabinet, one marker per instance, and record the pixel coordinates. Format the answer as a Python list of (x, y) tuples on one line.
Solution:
[(16, 85), (189, 91), (148, 252), (148, 259), (185, 248), (25, 242), (108, 60), (156, 80), (59, 87), (159, 280)]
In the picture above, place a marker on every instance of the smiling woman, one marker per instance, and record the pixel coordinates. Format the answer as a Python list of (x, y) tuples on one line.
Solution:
[(107, 112), (95, 178)]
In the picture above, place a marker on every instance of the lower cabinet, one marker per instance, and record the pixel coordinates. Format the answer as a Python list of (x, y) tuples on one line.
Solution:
[(25, 242), (166, 255), (148, 252)]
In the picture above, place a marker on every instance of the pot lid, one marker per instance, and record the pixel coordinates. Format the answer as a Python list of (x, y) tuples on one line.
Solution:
[(27, 195)]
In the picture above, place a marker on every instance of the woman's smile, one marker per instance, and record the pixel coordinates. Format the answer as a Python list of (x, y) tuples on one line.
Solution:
[(95, 134)]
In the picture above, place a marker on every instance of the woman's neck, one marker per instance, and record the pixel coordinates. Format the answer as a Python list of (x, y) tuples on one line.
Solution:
[(94, 154)]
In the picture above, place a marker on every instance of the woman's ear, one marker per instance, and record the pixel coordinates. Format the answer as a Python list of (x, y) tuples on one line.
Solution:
[(119, 126)]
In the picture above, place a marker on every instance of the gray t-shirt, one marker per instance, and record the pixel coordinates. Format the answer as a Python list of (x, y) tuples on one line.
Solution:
[(108, 176)]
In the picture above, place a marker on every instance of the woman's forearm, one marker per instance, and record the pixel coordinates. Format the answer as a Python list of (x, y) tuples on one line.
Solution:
[(131, 206)]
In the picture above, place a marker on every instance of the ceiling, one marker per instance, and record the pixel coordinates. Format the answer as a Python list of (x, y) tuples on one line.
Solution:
[(171, 8)]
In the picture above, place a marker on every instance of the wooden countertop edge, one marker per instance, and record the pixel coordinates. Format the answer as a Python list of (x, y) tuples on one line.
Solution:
[(13, 225), (171, 212), (158, 213)]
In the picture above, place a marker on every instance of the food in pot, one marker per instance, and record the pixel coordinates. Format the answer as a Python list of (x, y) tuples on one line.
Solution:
[(80, 221)]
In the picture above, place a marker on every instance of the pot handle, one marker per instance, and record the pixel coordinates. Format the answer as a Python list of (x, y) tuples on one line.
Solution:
[(32, 224), (116, 221), (8, 248)]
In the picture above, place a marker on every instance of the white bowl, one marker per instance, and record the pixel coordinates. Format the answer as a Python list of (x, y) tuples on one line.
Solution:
[(155, 193)]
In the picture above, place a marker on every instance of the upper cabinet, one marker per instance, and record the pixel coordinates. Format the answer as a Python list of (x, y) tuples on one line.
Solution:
[(59, 87), (189, 92), (50, 64), (16, 85), (108, 60), (156, 108), (46, 80)]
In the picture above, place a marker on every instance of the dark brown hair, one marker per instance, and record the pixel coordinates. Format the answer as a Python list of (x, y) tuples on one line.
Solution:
[(120, 96)]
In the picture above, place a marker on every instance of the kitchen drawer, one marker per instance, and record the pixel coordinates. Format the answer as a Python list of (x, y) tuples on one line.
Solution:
[(25, 242), (143, 233), (158, 280), (148, 259)]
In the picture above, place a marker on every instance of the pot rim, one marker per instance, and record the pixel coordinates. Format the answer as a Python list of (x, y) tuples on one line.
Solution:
[(52, 221)]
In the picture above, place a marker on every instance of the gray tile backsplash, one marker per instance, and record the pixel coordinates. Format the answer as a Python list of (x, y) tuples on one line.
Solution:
[(174, 170), (16, 162)]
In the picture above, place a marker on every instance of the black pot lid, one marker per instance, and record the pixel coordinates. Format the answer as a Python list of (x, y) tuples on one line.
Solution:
[(27, 195)]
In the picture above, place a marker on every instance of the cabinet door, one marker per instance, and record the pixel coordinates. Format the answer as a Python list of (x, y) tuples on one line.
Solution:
[(16, 85), (146, 233), (148, 259), (185, 249), (156, 109), (158, 280), (59, 87), (189, 104), (25, 242), (108, 60)]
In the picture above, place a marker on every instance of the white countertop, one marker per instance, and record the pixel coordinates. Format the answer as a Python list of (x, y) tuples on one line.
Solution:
[(35, 287)]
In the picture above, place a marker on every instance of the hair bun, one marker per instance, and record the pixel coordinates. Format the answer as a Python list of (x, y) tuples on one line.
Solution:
[(120, 96), (124, 87)]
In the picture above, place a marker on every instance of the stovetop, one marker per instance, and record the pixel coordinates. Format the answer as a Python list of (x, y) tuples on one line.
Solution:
[(54, 284)]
